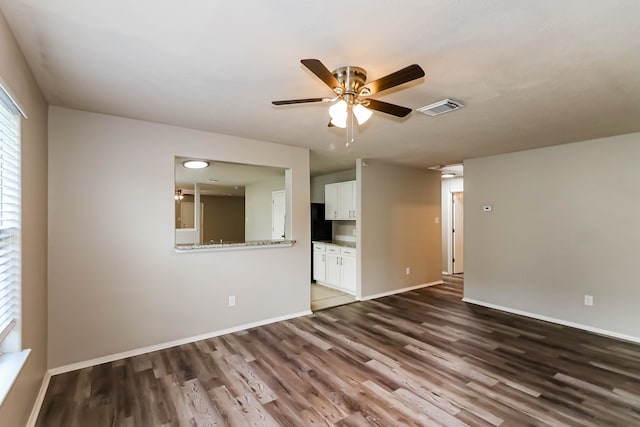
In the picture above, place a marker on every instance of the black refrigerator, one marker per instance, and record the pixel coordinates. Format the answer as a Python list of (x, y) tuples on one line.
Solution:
[(320, 229)]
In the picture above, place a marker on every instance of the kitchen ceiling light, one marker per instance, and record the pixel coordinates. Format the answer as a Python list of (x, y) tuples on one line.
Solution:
[(178, 195), (195, 164), (448, 175)]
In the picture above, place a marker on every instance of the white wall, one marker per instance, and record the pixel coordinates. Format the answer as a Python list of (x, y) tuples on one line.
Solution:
[(115, 282), (396, 227), (564, 224), (16, 77), (449, 185), (258, 199)]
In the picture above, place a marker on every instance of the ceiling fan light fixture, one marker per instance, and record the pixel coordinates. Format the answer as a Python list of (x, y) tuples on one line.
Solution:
[(362, 114), (339, 122), (338, 111)]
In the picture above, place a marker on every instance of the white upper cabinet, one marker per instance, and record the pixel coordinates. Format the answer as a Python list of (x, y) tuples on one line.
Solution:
[(331, 201), (340, 200)]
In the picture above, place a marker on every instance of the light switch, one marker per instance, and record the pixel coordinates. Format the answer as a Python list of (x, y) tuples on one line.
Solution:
[(437, 220)]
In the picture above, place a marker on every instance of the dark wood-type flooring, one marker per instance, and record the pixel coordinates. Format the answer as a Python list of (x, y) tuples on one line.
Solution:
[(422, 358)]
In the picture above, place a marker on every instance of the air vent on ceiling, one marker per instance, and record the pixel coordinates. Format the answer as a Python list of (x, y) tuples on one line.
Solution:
[(441, 107)]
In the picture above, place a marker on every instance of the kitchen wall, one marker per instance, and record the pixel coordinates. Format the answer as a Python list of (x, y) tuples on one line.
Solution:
[(258, 201), (564, 224), (17, 79), (319, 181), (115, 282), (396, 227), (449, 185), (344, 231)]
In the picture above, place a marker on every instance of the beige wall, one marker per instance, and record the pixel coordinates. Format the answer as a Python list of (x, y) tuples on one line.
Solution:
[(223, 217), (397, 228), (318, 182), (564, 224), (258, 199), (16, 77), (125, 287)]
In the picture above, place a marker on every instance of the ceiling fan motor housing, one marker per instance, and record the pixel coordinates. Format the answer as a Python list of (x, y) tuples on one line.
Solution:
[(351, 78)]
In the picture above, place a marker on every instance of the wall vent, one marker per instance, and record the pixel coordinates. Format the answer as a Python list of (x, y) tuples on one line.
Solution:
[(441, 107)]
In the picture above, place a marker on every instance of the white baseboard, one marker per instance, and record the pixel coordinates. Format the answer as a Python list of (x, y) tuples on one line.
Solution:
[(37, 405), (398, 291), (162, 346), (554, 320)]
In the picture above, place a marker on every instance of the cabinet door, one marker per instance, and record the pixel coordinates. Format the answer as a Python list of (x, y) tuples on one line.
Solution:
[(349, 274), (334, 269), (331, 201), (346, 209), (319, 266)]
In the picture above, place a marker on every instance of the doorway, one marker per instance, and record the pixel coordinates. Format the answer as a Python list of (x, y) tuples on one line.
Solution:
[(457, 232), (187, 218)]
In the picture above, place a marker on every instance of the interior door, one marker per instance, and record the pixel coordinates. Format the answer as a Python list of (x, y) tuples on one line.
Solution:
[(278, 212), (186, 215), (458, 232)]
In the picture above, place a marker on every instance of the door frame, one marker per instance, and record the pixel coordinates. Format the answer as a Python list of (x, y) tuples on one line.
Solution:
[(451, 234), (283, 194), (449, 231)]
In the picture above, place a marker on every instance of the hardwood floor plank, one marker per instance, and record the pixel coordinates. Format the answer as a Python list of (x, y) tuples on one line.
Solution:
[(198, 406), (422, 358)]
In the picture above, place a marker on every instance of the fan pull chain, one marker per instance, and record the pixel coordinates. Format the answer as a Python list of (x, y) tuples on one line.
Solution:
[(351, 127)]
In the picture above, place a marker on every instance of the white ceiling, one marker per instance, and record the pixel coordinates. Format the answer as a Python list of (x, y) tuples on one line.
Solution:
[(531, 73), (230, 178)]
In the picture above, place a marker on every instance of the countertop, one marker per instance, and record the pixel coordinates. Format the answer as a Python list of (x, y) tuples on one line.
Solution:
[(336, 243), (253, 244)]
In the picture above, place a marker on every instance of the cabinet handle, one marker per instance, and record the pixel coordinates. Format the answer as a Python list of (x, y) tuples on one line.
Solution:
[(337, 261), (323, 258)]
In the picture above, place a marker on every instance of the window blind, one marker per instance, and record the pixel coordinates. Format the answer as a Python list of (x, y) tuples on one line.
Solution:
[(9, 216)]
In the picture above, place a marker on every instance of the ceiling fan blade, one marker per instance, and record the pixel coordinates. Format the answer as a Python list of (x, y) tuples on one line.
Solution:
[(405, 75), (385, 107), (323, 73), (299, 101)]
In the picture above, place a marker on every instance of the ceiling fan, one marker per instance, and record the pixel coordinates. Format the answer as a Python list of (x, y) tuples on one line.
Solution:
[(349, 85)]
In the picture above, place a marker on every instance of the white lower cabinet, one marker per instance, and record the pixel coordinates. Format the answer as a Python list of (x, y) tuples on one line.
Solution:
[(319, 262), (334, 269), (349, 270), (335, 266)]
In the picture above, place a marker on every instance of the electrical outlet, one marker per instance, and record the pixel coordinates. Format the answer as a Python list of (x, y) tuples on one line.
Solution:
[(407, 271), (437, 220), (588, 300), (354, 232), (232, 300)]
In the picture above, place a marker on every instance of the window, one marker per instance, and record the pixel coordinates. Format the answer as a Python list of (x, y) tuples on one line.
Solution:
[(9, 218)]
